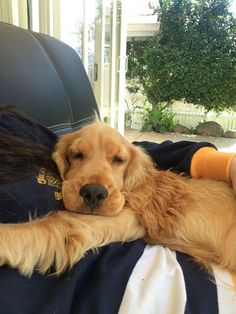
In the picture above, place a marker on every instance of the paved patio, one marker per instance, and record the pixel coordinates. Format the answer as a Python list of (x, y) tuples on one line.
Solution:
[(222, 143)]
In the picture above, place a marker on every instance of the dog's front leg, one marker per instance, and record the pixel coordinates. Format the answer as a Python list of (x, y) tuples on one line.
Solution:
[(62, 238)]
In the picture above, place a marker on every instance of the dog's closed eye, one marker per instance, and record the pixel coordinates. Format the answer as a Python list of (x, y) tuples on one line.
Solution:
[(78, 155), (118, 159)]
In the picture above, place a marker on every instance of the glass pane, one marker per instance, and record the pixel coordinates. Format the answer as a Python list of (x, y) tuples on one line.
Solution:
[(92, 11), (72, 18), (5, 11), (109, 56), (106, 82), (78, 30)]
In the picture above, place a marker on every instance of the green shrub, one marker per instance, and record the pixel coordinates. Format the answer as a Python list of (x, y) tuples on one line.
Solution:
[(160, 119), (191, 58)]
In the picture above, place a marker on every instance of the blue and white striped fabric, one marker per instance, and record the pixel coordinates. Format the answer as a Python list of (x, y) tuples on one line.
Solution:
[(166, 282), (129, 278)]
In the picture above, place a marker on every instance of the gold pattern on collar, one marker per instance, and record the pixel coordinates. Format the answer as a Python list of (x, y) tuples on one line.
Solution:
[(58, 196), (45, 177), (41, 179)]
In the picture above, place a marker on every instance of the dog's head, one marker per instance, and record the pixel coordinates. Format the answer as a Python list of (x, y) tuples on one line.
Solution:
[(96, 164)]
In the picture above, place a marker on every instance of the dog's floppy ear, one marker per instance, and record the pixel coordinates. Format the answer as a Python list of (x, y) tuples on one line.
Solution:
[(158, 197), (60, 154), (137, 171)]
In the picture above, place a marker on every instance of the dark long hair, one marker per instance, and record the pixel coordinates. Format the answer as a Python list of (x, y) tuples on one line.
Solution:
[(19, 157)]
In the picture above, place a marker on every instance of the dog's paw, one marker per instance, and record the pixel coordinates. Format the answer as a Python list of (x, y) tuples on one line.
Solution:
[(51, 244), (16, 254), (69, 237), (35, 245)]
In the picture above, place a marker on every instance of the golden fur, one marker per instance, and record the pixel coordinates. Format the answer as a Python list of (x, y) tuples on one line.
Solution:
[(194, 216)]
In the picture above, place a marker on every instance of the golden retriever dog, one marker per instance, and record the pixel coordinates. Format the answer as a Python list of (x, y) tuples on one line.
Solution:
[(113, 192)]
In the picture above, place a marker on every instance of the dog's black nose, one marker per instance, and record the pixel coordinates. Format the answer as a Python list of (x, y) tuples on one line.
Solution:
[(93, 194)]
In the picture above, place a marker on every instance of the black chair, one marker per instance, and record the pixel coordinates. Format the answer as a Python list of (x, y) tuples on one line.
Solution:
[(45, 78)]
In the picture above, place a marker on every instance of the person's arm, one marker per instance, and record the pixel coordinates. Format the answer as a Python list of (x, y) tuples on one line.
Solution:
[(175, 156), (198, 159)]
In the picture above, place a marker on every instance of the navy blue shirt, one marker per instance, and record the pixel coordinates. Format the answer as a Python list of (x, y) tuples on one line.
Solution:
[(36, 195)]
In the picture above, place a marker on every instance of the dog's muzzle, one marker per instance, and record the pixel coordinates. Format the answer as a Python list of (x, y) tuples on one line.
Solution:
[(93, 194)]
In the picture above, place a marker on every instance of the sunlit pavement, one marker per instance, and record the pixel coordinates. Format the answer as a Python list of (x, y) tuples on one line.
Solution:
[(222, 143)]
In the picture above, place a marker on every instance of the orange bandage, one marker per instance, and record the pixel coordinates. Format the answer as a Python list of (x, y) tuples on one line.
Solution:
[(210, 163)]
